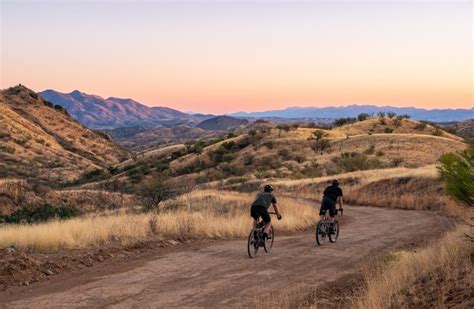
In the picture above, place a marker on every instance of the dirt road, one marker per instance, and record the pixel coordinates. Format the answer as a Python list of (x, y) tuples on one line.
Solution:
[(220, 274)]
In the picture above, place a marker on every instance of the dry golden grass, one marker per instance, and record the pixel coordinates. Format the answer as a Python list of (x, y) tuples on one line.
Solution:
[(374, 125), (200, 214), (421, 278)]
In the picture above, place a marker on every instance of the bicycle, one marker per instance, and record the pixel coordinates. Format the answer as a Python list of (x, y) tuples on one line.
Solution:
[(256, 239), (323, 229)]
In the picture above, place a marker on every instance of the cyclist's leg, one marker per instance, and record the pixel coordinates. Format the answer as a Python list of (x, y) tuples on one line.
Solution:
[(255, 215), (322, 210), (266, 218)]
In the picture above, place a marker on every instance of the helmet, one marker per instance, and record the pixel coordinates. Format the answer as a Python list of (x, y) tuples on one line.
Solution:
[(335, 182), (268, 188)]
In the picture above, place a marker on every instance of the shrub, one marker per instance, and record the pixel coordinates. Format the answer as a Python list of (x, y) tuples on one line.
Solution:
[(397, 161), (269, 144), (40, 214), (391, 115), (319, 134), (343, 121), (249, 159), (354, 161), (34, 95), (457, 171), (379, 153), (398, 121), (388, 130), (381, 114), (321, 145), (284, 153), (421, 125), (362, 117), (370, 150)]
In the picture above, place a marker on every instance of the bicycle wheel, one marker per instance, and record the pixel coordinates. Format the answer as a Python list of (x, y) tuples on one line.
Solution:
[(252, 244), (320, 233), (268, 243), (333, 236)]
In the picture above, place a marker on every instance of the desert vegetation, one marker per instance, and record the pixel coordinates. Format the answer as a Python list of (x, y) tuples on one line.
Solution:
[(438, 275), (199, 214)]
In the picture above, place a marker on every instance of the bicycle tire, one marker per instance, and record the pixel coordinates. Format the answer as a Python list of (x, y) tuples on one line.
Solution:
[(333, 236), (252, 248), (320, 233), (268, 243)]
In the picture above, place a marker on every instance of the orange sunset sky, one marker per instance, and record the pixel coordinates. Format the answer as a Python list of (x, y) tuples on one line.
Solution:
[(221, 56)]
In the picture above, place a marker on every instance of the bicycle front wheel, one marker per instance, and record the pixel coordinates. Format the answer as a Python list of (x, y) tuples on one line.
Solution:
[(335, 232), (268, 244), (320, 233), (252, 244)]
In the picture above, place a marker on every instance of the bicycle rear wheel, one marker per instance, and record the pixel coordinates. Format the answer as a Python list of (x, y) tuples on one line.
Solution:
[(268, 243), (321, 233), (252, 244), (335, 234)]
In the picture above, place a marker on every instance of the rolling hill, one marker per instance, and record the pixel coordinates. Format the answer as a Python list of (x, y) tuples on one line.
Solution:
[(222, 123), (40, 140), (98, 113)]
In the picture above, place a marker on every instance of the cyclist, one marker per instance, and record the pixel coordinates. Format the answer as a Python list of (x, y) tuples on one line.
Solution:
[(331, 195), (260, 207)]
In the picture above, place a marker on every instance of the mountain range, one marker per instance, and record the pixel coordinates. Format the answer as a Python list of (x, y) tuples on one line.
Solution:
[(437, 115), (96, 112)]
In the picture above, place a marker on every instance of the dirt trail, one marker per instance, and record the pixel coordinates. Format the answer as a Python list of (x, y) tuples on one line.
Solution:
[(221, 275)]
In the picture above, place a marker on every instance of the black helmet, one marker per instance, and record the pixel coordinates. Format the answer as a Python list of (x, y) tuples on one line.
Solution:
[(335, 182), (268, 188)]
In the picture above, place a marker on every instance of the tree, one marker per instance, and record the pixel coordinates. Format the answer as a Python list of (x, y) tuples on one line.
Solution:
[(362, 117), (156, 190), (457, 171), (319, 134)]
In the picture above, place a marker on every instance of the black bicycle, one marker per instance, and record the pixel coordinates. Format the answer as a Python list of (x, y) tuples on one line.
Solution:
[(256, 239), (324, 229)]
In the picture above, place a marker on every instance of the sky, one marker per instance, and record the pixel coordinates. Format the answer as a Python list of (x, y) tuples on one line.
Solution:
[(229, 56)]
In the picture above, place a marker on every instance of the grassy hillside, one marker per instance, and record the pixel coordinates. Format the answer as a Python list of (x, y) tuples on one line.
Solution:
[(39, 140), (290, 152)]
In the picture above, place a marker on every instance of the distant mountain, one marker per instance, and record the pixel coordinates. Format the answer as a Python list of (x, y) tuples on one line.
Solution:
[(98, 113), (437, 115), (40, 140), (222, 123)]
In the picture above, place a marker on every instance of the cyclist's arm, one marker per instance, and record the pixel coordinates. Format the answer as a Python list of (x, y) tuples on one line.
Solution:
[(276, 208), (340, 198)]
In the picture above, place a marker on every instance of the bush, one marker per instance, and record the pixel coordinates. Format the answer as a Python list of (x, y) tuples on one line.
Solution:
[(354, 161), (421, 125), (269, 144), (319, 134), (41, 214), (388, 130), (457, 171), (321, 145), (343, 121), (362, 117), (391, 115)]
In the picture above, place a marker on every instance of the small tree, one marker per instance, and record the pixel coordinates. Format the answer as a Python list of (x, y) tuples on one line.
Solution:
[(319, 134), (457, 171), (156, 190), (391, 115), (362, 117)]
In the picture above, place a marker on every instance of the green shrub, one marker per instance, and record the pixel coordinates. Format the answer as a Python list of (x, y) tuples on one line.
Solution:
[(321, 145), (362, 117), (40, 214), (457, 171), (354, 161), (343, 121), (388, 130)]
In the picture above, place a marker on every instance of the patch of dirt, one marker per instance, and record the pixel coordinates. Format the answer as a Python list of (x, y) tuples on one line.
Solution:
[(21, 267)]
